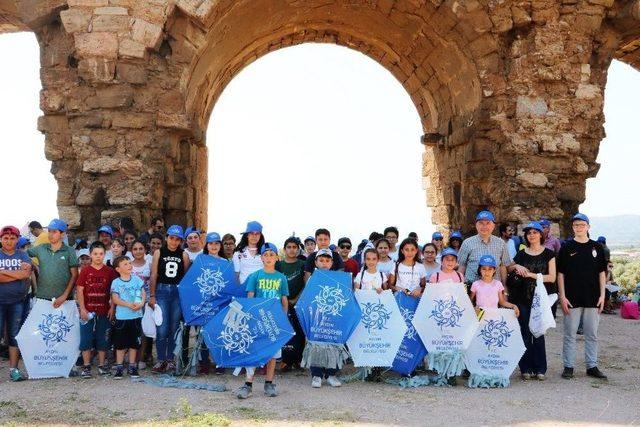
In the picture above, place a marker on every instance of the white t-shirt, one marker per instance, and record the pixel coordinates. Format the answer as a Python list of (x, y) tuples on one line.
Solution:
[(394, 255), (386, 266), (245, 263), (192, 255), (369, 281), (409, 277)]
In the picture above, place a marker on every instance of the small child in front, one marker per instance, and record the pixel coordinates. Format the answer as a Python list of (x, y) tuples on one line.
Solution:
[(266, 283), (127, 293), (489, 292)]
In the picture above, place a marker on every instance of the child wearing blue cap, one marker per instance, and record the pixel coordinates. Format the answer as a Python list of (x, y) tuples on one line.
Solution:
[(266, 283), (447, 273), (488, 292), (246, 258), (168, 267)]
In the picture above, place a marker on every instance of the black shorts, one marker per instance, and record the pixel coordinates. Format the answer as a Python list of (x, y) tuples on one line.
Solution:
[(127, 334)]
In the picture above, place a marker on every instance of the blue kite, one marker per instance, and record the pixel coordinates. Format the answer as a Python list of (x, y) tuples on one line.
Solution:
[(248, 332), (328, 314), (208, 286), (412, 350)]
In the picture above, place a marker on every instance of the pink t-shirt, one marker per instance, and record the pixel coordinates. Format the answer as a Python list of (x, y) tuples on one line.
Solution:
[(442, 277), (487, 294)]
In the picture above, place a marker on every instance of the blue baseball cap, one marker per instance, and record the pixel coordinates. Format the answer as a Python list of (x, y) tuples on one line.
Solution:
[(57, 224), (533, 225), (485, 216), (487, 261), (545, 222), (455, 235), (176, 231), (449, 251), (268, 247), (580, 217), (192, 230), (22, 242), (253, 227), (310, 238), (213, 238), (602, 239), (437, 235), (333, 247), (106, 229)]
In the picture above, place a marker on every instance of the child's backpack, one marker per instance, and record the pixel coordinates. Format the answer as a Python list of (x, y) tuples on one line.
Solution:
[(629, 310)]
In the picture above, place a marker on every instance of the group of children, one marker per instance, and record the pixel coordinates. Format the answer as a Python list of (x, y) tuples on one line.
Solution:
[(117, 282)]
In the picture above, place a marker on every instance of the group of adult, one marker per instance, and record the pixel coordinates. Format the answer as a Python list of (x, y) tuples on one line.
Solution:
[(577, 265)]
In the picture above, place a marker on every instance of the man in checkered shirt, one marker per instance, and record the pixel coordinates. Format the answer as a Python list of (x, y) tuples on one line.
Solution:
[(483, 243)]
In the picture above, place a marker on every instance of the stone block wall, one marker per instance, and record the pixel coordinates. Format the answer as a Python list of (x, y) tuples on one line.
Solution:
[(510, 93)]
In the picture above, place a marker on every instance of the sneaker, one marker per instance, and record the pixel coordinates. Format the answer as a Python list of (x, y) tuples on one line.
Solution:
[(334, 381), (73, 373), (104, 370), (159, 368), (119, 372), (15, 375), (270, 390), (316, 382), (567, 373), (171, 367), (541, 377), (133, 372), (142, 366), (203, 368), (220, 371), (596, 373), (526, 376), (244, 392), (86, 372)]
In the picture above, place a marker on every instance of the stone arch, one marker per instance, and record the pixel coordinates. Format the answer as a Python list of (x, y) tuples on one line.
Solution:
[(510, 93)]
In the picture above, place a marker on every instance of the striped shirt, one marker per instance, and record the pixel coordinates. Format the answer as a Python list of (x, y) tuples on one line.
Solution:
[(474, 247)]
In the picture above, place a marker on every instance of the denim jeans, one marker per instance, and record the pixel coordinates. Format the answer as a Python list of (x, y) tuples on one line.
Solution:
[(12, 316), (590, 319), (322, 372), (168, 299), (534, 359)]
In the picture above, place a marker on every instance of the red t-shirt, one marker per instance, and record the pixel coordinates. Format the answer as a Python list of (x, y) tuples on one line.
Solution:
[(96, 286), (351, 266)]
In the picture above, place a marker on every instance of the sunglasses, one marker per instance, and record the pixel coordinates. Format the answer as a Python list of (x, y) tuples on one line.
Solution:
[(345, 246), (438, 239)]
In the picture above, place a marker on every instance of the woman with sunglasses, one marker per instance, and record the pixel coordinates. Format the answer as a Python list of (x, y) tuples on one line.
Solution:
[(528, 262)]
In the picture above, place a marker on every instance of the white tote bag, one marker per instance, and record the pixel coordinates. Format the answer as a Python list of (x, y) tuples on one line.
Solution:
[(541, 317)]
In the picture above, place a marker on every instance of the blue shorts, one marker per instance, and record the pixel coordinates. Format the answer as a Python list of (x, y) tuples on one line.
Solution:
[(12, 315), (95, 334)]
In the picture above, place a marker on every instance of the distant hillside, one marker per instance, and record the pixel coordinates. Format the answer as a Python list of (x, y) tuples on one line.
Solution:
[(620, 230)]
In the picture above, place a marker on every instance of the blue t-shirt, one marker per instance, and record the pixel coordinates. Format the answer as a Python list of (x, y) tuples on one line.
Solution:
[(129, 291), (16, 290), (267, 285)]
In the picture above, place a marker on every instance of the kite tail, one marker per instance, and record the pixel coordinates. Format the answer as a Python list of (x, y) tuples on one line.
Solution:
[(172, 382), (190, 367), (359, 375), (419, 381), (447, 364), (487, 381), (324, 355)]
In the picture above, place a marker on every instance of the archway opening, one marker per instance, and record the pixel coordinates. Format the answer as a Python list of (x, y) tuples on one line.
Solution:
[(32, 192), (316, 135), (610, 195)]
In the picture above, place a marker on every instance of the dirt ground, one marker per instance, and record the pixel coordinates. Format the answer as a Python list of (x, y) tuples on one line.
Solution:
[(581, 401)]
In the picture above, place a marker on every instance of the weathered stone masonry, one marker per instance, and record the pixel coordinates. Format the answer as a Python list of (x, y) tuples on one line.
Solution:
[(510, 93)]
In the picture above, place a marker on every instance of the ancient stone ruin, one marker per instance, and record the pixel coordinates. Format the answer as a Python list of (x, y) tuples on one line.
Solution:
[(510, 93)]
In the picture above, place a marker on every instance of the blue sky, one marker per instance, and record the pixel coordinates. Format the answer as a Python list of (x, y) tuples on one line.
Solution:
[(306, 136)]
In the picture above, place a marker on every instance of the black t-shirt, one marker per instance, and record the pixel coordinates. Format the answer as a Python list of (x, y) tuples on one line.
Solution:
[(521, 289), (295, 276), (170, 266), (581, 265), (310, 264)]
